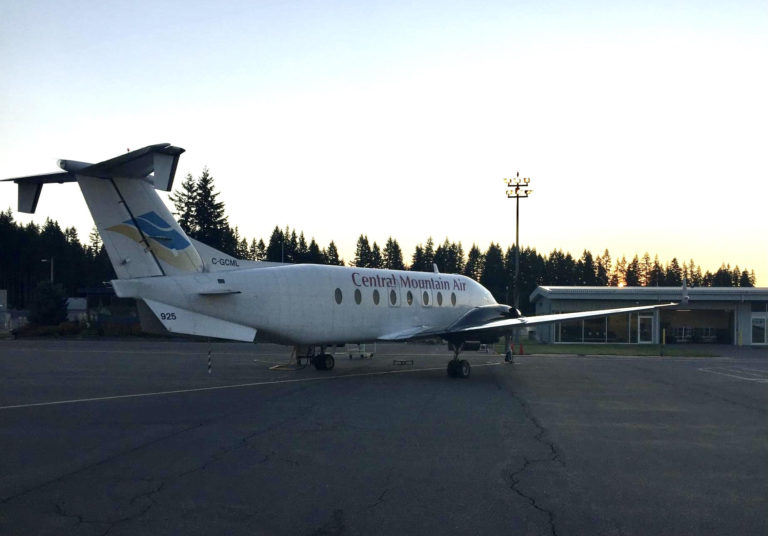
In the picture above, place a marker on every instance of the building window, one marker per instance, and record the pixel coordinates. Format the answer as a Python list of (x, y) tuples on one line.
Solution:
[(358, 296), (338, 296), (409, 298), (375, 296), (439, 298)]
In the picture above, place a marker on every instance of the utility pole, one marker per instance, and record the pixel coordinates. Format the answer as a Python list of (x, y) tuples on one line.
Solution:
[(518, 189)]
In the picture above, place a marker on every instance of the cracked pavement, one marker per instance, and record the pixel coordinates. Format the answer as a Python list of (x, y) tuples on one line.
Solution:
[(549, 446)]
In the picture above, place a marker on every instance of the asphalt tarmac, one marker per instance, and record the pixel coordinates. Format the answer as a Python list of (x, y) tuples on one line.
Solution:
[(136, 437)]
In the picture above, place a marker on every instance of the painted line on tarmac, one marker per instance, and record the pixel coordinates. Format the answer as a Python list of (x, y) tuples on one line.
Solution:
[(735, 372), (237, 386)]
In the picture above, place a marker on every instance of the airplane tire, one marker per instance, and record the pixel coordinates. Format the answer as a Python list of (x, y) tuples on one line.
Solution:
[(463, 369), (508, 356), (451, 369), (328, 361), (319, 362)]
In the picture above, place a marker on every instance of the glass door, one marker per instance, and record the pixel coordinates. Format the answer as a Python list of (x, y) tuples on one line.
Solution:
[(759, 335), (645, 329)]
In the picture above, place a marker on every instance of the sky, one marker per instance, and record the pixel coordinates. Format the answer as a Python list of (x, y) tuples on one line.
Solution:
[(642, 125)]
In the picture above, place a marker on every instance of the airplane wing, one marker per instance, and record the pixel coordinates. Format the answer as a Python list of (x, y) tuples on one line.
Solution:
[(508, 324), (494, 321)]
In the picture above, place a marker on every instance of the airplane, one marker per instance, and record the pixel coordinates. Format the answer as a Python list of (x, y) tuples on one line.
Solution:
[(191, 288)]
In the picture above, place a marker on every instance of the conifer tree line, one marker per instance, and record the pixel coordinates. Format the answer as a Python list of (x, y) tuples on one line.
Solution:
[(25, 259), (203, 217)]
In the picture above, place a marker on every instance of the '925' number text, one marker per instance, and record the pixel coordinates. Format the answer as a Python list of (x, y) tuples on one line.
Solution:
[(167, 316)]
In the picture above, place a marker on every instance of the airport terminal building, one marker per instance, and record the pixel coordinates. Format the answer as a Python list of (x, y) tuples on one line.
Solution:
[(717, 315)]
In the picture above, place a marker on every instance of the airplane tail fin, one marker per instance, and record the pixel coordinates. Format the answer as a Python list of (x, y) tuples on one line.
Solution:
[(139, 233)]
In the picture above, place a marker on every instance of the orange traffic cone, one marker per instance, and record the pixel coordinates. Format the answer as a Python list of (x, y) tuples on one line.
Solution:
[(521, 349)]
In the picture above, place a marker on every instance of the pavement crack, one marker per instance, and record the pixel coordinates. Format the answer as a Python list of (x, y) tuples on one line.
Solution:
[(530, 498), (554, 456)]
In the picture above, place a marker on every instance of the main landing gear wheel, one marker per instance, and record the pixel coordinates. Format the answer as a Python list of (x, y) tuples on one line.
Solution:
[(459, 369), (324, 362), (508, 357)]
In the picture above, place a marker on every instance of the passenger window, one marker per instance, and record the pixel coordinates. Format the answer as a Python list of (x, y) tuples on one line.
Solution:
[(358, 296), (338, 295), (393, 297), (409, 297), (425, 297), (375, 296), (439, 298), (453, 298)]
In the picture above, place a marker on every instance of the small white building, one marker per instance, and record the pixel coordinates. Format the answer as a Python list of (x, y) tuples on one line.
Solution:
[(721, 315)]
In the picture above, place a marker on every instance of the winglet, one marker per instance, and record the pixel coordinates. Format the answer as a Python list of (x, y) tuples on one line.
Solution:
[(685, 299)]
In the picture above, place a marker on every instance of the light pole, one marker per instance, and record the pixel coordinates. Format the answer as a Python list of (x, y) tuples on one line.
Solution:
[(51, 261), (518, 189)]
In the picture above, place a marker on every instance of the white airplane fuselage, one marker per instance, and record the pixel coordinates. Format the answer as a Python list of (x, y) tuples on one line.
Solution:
[(310, 304)]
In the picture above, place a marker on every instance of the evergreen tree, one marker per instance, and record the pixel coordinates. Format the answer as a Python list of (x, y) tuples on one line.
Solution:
[(449, 257), (722, 278), (474, 266), (393, 255), (302, 250), (632, 275), (363, 252), (560, 269), (275, 249), (696, 279), (735, 276), (332, 255), (603, 269), (184, 201), (314, 254), (658, 275), (257, 250), (376, 261), (585, 270), (493, 276), (94, 241), (291, 244), (417, 260), (211, 226), (619, 275), (674, 274), (429, 254)]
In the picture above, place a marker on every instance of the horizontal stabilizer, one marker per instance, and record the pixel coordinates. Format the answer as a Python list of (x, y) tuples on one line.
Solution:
[(30, 188), (160, 158), (177, 320)]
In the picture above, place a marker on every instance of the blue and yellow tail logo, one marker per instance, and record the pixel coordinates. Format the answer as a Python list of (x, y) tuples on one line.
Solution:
[(163, 240)]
